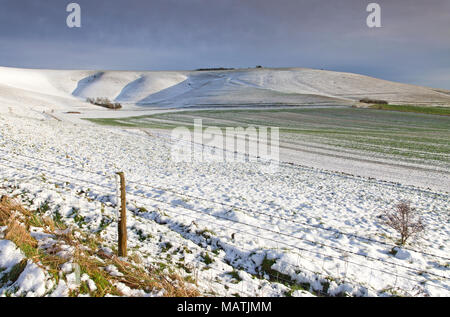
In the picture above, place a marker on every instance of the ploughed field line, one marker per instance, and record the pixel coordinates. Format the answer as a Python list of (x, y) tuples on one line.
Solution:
[(400, 135)]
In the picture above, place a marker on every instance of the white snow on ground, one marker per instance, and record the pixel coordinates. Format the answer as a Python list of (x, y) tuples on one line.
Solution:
[(10, 255), (231, 227), (32, 281), (234, 228), (425, 175)]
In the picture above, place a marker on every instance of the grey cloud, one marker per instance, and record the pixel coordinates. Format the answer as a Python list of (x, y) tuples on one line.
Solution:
[(412, 45)]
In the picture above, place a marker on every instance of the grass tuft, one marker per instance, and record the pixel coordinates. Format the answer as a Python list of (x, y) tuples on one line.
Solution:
[(91, 262)]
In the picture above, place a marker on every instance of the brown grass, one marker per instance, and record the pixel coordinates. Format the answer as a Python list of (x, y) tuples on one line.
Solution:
[(17, 228), (17, 233), (148, 279), (18, 221)]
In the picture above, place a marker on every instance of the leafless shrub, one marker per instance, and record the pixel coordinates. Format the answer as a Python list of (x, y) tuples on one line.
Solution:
[(104, 102), (405, 220), (374, 101)]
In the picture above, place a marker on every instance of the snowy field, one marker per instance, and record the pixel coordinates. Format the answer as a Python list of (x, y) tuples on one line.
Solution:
[(235, 229), (314, 228), (408, 148)]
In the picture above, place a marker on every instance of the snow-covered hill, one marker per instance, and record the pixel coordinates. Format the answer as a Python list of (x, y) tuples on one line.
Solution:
[(66, 90)]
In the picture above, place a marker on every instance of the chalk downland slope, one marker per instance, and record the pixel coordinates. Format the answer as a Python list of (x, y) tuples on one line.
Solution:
[(66, 90)]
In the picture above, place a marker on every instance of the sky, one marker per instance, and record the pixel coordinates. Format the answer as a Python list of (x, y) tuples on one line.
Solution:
[(412, 46)]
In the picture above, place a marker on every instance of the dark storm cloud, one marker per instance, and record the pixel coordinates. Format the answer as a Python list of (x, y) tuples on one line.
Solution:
[(412, 46)]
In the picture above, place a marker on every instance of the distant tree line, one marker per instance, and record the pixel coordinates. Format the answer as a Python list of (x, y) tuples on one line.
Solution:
[(219, 68), (212, 69), (104, 102), (374, 101)]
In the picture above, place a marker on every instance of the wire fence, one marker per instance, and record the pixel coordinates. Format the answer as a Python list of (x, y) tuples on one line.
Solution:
[(268, 235), (233, 206)]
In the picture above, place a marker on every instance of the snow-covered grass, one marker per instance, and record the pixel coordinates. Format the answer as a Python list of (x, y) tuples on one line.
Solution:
[(402, 147), (229, 227), (41, 257), (442, 111), (409, 136)]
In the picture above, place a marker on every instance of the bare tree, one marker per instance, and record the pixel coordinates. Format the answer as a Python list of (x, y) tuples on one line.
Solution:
[(405, 220)]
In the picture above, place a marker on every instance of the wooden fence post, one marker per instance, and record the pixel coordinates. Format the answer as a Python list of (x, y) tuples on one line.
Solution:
[(123, 217)]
